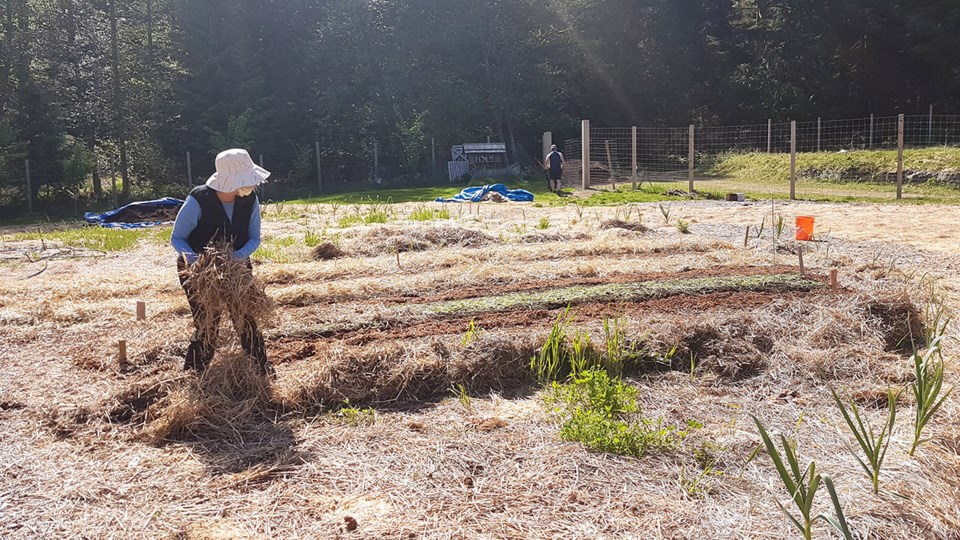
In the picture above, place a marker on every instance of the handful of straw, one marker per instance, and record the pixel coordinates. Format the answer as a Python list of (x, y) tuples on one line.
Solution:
[(223, 283)]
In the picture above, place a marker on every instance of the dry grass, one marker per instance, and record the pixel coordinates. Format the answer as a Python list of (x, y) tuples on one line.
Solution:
[(98, 448)]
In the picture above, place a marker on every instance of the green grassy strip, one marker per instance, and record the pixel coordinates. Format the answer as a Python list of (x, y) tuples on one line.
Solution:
[(615, 292)]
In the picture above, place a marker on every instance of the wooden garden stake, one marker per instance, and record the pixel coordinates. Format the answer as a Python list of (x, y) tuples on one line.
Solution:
[(141, 311), (800, 256), (122, 346), (746, 237), (833, 280)]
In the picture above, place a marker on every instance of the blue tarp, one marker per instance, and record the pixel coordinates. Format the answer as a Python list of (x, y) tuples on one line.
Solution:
[(478, 193), (137, 215)]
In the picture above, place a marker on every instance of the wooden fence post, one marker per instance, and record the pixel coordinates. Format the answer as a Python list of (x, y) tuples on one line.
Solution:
[(900, 156), (189, 172), (585, 153), (690, 160), (793, 159)]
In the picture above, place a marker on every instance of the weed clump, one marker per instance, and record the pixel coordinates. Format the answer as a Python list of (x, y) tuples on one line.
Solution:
[(602, 413)]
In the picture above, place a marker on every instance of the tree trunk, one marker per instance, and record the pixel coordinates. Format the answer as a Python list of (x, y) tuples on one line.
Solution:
[(92, 146), (8, 55), (118, 100)]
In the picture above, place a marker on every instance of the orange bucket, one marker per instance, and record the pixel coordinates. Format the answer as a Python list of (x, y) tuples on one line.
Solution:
[(804, 228)]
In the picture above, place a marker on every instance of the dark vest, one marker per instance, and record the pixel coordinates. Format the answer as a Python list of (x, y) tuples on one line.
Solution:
[(214, 226)]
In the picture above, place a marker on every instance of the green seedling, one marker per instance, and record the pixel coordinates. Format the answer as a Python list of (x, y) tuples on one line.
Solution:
[(874, 444)]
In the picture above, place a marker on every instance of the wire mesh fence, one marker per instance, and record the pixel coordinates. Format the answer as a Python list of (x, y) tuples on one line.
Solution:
[(819, 159)]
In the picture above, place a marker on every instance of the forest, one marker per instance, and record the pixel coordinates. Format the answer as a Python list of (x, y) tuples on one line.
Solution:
[(95, 88)]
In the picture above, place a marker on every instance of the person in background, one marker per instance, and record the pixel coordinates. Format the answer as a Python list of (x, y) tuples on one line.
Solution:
[(553, 163), (224, 210)]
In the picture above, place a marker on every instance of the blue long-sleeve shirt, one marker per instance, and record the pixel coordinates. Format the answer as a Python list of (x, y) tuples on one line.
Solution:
[(189, 216)]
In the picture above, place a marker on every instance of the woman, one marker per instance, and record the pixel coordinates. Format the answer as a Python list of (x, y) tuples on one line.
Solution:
[(225, 210)]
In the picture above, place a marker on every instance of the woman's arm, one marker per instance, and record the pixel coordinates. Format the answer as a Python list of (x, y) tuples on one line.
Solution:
[(186, 222)]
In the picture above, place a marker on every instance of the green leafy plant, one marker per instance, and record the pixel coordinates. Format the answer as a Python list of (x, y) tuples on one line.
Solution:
[(780, 225), (802, 484), (429, 214), (665, 212), (581, 353), (312, 239), (614, 337), (838, 522), (354, 416), (548, 365), (463, 396), (873, 443), (472, 334), (683, 226), (927, 388), (544, 223), (759, 230), (602, 413)]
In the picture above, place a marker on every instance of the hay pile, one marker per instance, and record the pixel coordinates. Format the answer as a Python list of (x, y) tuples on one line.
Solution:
[(231, 398)]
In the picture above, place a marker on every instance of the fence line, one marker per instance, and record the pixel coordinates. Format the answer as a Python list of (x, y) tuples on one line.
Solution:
[(702, 153)]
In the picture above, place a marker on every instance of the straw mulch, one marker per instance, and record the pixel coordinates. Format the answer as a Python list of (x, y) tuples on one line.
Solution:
[(224, 284)]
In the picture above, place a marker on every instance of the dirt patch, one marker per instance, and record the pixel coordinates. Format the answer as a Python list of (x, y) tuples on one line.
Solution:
[(384, 240), (624, 225), (899, 321), (326, 251)]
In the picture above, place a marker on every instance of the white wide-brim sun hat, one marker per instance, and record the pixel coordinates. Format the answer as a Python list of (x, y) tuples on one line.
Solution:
[(236, 170)]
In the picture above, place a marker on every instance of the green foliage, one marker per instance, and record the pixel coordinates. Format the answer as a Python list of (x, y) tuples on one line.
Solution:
[(429, 214), (553, 360), (839, 521), (354, 416), (472, 334), (683, 226), (926, 388), (276, 249), (463, 396), (96, 238), (617, 351), (665, 212), (239, 133), (873, 443), (544, 223), (312, 239), (602, 413), (801, 484)]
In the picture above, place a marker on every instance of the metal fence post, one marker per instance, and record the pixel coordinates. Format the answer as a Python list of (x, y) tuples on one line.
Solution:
[(585, 153), (316, 147), (690, 160), (633, 161), (818, 133), (871, 131), (433, 157), (769, 135), (376, 161), (26, 164), (793, 159), (899, 156), (930, 128)]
